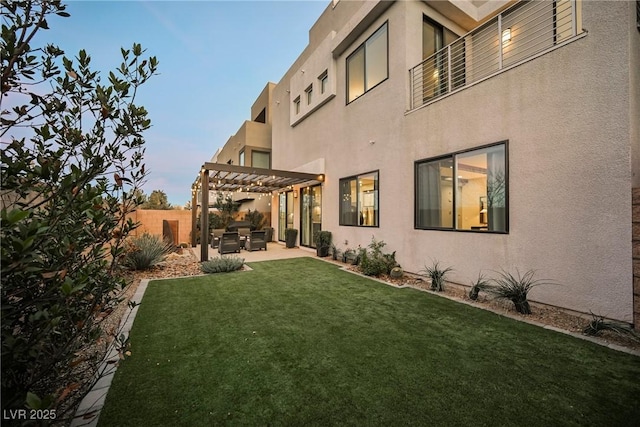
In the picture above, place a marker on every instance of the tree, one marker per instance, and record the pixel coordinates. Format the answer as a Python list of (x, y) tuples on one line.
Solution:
[(70, 173), (157, 200), (228, 208)]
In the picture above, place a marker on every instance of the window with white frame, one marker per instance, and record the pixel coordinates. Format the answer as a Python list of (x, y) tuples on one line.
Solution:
[(368, 65), (467, 190), (359, 200)]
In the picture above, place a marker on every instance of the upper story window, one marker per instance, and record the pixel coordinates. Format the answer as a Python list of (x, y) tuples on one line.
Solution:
[(241, 162), (463, 191), (309, 93), (261, 159), (324, 81), (368, 65), (359, 200), (296, 105)]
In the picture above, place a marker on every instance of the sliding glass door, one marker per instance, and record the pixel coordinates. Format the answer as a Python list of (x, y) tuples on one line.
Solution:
[(285, 213), (310, 214)]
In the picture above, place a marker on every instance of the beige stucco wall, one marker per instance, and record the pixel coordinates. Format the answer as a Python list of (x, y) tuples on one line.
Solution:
[(251, 136), (634, 107), (567, 116)]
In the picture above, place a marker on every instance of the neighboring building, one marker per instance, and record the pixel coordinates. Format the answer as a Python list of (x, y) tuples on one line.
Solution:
[(487, 135), (250, 146)]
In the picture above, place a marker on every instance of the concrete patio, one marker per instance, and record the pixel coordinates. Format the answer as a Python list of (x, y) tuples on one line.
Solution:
[(275, 250)]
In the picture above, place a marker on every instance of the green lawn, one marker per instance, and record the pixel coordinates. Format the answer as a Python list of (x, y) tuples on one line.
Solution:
[(300, 342)]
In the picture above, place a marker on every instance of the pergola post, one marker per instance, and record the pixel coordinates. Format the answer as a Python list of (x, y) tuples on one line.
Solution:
[(204, 216), (194, 215)]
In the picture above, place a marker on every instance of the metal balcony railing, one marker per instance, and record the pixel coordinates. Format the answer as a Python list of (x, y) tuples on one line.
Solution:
[(521, 32)]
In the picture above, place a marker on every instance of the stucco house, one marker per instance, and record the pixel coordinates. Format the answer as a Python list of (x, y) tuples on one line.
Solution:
[(487, 135)]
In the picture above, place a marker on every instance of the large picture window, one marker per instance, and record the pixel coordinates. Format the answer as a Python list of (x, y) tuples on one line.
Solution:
[(368, 66), (261, 159), (463, 191), (359, 200)]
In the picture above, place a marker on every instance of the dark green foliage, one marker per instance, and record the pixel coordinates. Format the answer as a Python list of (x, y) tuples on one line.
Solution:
[(373, 262), (323, 242), (222, 264), (256, 219), (157, 200), (335, 252), (348, 255), (437, 275), (322, 238), (515, 288), (143, 252), (599, 324), (481, 284), (227, 208), (67, 187)]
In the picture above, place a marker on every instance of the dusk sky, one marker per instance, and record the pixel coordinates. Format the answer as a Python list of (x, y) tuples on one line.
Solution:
[(215, 58)]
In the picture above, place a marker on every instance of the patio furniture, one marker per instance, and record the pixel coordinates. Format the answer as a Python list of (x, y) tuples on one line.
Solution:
[(256, 240), (229, 243), (244, 233), (215, 237)]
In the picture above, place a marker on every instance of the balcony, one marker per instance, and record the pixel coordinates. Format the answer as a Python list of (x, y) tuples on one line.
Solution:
[(524, 31)]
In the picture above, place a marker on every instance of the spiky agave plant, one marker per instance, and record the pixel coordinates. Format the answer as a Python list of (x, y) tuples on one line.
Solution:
[(516, 288), (145, 251), (599, 324), (481, 284), (437, 275)]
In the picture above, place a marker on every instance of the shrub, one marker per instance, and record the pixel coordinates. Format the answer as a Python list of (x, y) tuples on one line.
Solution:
[(222, 264), (373, 262), (256, 219), (145, 251), (515, 288), (71, 171), (437, 275), (335, 252), (481, 284)]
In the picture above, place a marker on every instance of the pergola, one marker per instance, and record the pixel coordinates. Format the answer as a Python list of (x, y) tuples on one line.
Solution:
[(232, 178)]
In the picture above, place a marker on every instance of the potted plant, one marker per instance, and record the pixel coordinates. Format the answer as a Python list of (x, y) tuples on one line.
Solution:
[(290, 236), (323, 243)]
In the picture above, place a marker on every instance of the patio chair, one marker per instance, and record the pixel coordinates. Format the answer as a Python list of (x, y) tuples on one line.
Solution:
[(229, 243), (256, 240), (244, 233), (215, 237)]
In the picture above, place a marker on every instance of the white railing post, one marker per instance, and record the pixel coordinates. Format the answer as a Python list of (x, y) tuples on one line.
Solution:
[(411, 94), (449, 69), (500, 42), (574, 19)]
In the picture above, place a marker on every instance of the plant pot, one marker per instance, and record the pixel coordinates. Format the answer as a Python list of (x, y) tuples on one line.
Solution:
[(322, 251), (290, 237)]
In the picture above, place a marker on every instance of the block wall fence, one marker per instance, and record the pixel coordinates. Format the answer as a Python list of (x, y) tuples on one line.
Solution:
[(151, 222)]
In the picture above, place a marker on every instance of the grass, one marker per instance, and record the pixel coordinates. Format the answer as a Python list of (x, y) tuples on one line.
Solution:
[(299, 342)]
